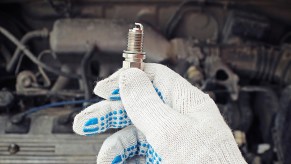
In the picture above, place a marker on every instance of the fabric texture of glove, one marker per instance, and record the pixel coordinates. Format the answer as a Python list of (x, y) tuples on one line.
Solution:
[(173, 121)]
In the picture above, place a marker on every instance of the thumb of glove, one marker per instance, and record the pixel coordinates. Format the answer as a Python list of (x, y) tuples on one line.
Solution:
[(143, 105)]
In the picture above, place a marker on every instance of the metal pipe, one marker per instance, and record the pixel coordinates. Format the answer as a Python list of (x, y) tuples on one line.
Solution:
[(32, 57), (61, 81), (27, 37), (84, 65)]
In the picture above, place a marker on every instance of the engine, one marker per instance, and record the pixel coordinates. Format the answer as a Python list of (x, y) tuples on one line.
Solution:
[(53, 52)]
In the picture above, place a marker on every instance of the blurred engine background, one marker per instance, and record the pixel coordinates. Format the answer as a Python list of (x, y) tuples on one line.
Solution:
[(52, 52)]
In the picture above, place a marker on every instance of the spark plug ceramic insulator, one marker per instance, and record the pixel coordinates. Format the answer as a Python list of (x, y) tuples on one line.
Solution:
[(134, 54)]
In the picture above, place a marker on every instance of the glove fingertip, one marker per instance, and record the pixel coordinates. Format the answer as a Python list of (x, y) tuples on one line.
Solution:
[(101, 89), (105, 87)]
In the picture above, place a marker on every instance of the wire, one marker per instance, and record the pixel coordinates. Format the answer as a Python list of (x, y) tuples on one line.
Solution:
[(56, 104), (43, 92), (19, 117), (33, 58)]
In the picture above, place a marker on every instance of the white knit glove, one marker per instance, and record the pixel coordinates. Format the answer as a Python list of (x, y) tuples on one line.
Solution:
[(174, 122)]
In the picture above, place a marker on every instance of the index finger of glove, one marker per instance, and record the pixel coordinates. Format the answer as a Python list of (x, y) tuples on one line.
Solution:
[(161, 76), (100, 117), (173, 89)]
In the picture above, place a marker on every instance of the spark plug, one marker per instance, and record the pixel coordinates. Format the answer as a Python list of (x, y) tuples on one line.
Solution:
[(134, 55)]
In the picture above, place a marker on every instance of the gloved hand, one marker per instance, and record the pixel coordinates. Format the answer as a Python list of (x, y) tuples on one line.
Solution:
[(174, 122)]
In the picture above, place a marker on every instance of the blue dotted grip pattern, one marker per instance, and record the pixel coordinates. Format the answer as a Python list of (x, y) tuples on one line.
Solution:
[(141, 149), (118, 119), (114, 119)]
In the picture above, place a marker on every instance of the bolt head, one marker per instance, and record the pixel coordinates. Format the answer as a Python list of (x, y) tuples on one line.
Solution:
[(13, 148), (26, 81)]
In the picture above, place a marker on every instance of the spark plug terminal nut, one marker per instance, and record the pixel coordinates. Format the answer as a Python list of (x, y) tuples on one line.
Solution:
[(134, 55)]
